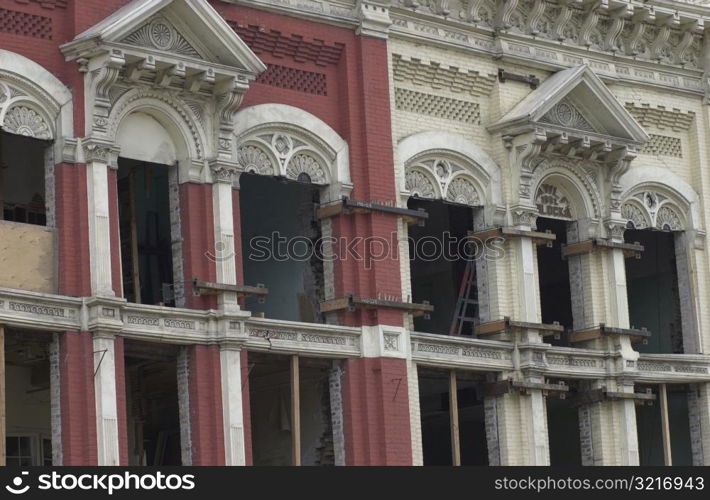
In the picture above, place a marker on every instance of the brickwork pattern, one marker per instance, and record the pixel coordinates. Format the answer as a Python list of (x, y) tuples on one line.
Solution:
[(25, 24), (294, 79)]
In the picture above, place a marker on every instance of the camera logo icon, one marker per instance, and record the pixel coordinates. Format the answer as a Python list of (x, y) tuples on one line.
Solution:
[(16, 487)]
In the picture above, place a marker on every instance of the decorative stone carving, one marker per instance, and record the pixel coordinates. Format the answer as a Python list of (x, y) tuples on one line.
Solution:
[(635, 216), (418, 184), (462, 190), (456, 181), (652, 209), (668, 220), (565, 114), (22, 120), (551, 202), (303, 165), (160, 34), (254, 160)]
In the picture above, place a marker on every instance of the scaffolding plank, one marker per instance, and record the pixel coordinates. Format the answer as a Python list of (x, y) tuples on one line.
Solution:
[(351, 301), (506, 325), (602, 330), (211, 288), (592, 245), (350, 206)]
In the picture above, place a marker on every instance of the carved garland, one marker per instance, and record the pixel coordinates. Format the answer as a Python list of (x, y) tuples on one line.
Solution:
[(453, 180), (652, 209)]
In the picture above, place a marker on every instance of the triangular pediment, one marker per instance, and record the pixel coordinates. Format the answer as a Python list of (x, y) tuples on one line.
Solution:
[(573, 100), (181, 28)]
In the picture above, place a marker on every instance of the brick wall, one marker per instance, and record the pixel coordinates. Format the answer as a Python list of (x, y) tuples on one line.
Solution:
[(78, 406), (206, 422), (376, 412), (197, 224)]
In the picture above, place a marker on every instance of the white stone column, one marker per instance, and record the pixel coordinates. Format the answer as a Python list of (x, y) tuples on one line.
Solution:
[(105, 394), (232, 407), (99, 156), (224, 254), (703, 410), (415, 419)]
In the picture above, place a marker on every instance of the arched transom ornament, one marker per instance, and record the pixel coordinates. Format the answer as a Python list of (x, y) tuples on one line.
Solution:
[(650, 209), (552, 202), (442, 178), (21, 114), (284, 154)]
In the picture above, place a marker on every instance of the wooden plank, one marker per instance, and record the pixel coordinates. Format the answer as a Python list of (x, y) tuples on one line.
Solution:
[(454, 416), (665, 423), (135, 257), (327, 211), (491, 327), (585, 335), (2, 396), (334, 304), (295, 412), (578, 248), (211, 288)]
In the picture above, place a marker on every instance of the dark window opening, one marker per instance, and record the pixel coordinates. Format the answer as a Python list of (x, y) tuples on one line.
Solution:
[(438, 265), (652, 290), (22, 179), (281, 244), (434, 401), (146, 239), (152, 404), (553, 273), (649, 427), (563, 430), (270, 403), (28, 398)]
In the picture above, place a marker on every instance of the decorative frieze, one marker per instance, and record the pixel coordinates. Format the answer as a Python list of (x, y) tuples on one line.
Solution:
[(441, 76), (660, 117)]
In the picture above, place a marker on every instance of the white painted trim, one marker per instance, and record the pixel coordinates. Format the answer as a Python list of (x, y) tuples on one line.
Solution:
[(105, 395), (232, 409)]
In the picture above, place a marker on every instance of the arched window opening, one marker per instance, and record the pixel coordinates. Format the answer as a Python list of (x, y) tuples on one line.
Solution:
[(653, 292), (655, 280), (281, 240), (146, 209), (439, 269), (23, 196), (554, 276)]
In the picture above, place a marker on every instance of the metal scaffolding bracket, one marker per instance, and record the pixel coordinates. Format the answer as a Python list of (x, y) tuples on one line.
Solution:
[(599, 395), (346, 206)]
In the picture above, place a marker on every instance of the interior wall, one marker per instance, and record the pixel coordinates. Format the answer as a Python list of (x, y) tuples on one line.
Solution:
[(22, 179), (273, 211), (270, 403), (652, 284), (438, 279)]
